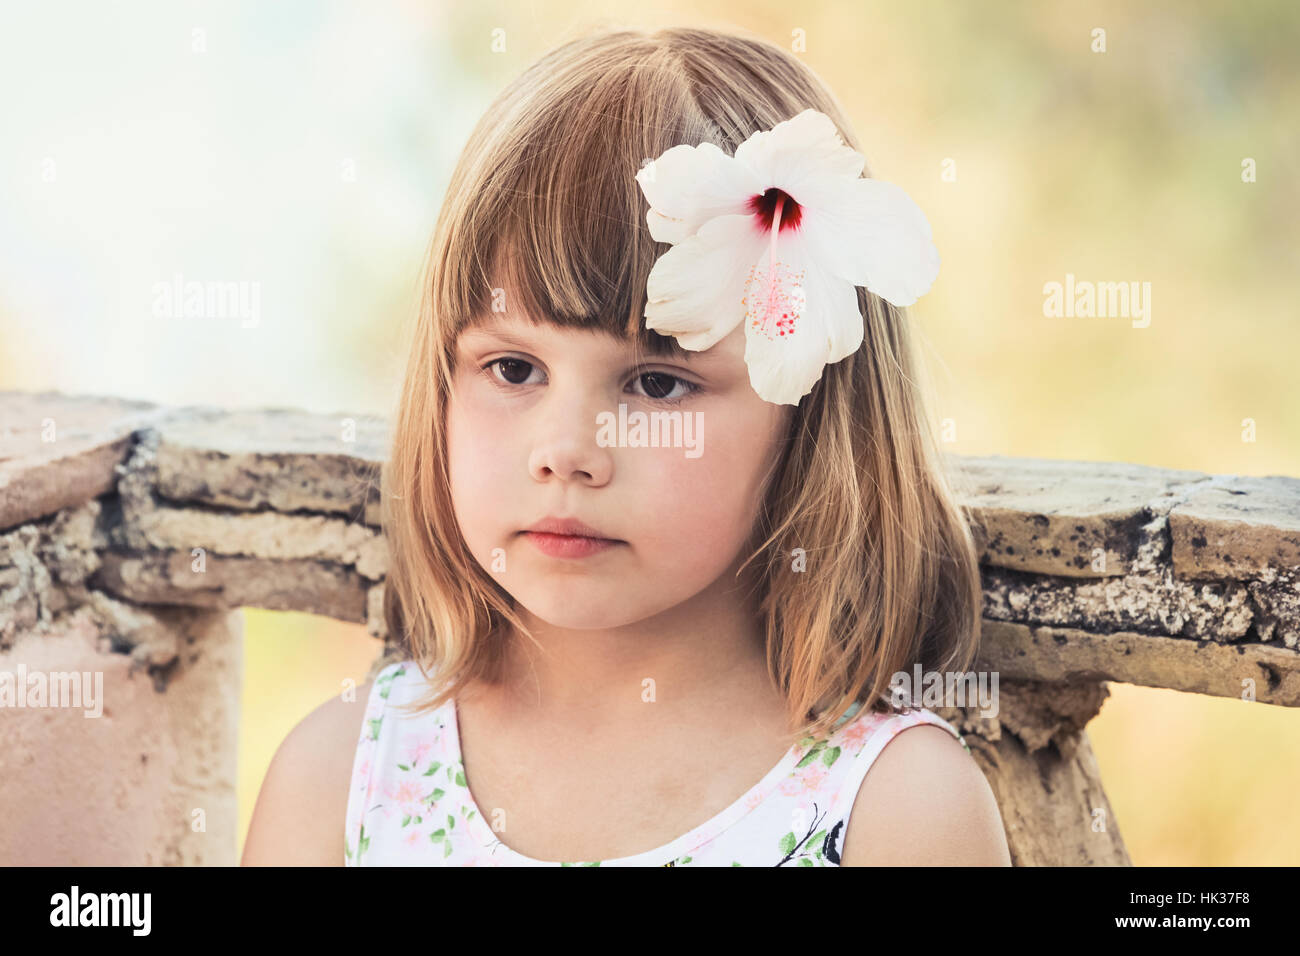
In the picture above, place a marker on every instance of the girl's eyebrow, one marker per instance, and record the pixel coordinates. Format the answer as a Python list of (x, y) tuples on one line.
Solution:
[(487, 329)]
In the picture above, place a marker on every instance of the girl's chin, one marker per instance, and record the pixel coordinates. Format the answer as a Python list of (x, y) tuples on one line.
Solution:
[(585, 608)]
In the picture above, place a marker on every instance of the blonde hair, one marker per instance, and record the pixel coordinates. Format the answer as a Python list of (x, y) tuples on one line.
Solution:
[(543, 201)]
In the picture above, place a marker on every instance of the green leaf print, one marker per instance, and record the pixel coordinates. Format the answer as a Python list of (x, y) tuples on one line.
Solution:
[(810, 844), (437, 835), (374, 727), (460, 778), (406, 819), (363, 843), (451, 822), (432, 769), (386, 682), (809, 757), (831, 755), (402, 766), (446, 849), (438, 794)]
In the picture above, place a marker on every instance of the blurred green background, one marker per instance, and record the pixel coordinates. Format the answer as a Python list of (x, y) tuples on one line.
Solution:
[(306, 146)]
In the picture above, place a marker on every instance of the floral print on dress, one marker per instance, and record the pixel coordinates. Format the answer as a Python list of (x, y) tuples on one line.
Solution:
[(410, 805)]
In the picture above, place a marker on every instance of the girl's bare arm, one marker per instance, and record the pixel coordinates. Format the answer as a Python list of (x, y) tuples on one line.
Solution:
[(300, 814)]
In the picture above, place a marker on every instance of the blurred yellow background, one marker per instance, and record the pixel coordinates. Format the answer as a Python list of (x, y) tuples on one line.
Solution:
[(306, 146)]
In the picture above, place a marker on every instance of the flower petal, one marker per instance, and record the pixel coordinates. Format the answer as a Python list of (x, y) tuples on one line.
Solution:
[(809, 145), (819, 322), (871, 233), (689, 185), (831, 300), (695, 290)]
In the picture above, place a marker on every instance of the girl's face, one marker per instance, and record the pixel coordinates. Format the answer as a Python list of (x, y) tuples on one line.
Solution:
[(533, 429)]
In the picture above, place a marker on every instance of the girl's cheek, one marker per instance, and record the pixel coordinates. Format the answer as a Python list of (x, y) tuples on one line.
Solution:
[(706, 499), (480, 453), (483, 428)]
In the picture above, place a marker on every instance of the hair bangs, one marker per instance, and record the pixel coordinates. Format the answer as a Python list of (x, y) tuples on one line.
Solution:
[(558, 231)]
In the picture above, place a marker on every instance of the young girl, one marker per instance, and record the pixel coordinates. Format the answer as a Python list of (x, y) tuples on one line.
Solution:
[(664, 509)]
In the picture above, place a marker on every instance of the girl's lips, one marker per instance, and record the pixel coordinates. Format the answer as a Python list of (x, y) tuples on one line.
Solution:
[(568, 545)]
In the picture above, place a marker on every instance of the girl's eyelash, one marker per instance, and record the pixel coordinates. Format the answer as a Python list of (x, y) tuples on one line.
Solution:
[(691, 387)]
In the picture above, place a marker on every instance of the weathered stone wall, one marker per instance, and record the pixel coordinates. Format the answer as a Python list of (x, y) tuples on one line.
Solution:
[(130, 535)]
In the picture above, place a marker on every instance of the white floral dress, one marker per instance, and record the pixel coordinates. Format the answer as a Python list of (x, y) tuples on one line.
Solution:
[(410, 805)]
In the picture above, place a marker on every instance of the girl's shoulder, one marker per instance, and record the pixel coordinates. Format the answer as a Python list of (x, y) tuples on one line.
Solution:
[(926, 800), (855, 745), (310, 768), (866, 734)]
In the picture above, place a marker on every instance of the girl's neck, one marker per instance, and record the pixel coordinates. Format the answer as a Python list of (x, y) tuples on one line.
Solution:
[(703, 653)]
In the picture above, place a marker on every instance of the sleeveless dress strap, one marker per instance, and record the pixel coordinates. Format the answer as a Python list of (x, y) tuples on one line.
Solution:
[(361, 794)]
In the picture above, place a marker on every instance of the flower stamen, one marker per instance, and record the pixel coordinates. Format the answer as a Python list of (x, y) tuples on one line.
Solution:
[(782, 290)]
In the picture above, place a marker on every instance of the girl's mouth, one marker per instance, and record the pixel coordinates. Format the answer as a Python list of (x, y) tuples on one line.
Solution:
[(568, 545)]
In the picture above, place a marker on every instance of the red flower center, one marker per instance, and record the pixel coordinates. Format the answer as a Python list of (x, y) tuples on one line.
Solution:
[(764, 207)]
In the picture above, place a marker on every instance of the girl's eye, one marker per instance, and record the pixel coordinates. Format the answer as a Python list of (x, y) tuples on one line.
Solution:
[(657, 386), (660, 386), (514, 371)]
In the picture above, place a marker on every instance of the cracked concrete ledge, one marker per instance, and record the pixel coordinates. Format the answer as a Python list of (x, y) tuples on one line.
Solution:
[(1092, 519), (1173, 563), (192, 506)]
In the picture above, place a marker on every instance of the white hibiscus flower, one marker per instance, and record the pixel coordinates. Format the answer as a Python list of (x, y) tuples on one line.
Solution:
[(778, 236)]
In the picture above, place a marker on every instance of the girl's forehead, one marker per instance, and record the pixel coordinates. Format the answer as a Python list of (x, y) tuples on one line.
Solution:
[(526, 333), (499, 325)]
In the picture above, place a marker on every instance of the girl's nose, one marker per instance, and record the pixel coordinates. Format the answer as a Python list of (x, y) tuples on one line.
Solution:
[(564, 441)]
